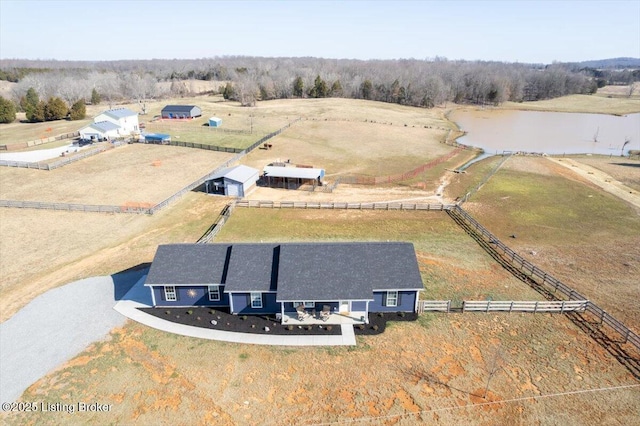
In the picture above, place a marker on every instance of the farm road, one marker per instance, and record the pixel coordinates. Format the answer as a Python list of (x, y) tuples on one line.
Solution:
[(601, 179), (56, 326)]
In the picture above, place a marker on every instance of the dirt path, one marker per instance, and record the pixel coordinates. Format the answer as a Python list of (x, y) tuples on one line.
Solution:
[(601, 179)]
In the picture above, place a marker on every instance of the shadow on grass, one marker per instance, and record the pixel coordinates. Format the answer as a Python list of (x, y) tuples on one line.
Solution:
[(627, 164), (592, 328)]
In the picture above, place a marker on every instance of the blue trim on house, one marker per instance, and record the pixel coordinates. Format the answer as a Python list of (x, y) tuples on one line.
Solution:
[(406, 302), (199, 296)]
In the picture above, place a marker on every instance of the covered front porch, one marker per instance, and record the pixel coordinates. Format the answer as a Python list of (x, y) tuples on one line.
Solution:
[(333, 318), (330, 313)]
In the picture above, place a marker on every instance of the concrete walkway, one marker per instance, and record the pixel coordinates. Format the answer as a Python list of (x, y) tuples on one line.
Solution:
[(56, 326), (139, 296)]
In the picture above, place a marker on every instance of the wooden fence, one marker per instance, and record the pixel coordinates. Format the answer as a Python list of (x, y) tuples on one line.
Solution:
[(72, 207), (485, 179), (554, 286), (217, 224), (338, 205), (434, 306), (560, 306), (367, 180), (23, 145), (61, 162), (205, 146)]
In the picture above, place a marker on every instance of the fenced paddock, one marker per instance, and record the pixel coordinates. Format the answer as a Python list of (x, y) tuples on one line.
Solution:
[(546, 283), (434, 306), (72, 207), (61, 162)]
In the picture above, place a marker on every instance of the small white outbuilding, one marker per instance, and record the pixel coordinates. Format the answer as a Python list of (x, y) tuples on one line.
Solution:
[(215, 122)]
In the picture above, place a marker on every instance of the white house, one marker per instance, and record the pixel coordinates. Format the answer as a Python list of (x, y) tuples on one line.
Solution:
[(100, 131), (124, 118)]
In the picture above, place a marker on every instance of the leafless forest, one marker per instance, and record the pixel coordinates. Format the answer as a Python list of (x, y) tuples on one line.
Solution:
[(425, 83)]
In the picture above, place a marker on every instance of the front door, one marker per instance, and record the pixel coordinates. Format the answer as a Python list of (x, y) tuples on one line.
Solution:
[(344, 307)]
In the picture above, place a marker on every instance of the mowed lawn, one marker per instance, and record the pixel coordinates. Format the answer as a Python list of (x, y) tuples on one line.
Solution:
[(130, 174), (432, 371), (572, 229)]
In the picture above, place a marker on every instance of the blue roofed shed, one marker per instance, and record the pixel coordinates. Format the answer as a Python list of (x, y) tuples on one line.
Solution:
[(157, 138)]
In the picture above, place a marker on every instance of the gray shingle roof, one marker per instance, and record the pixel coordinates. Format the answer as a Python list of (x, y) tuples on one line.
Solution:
[(189, 264), (345, 271), (297, 271), (253, 267)]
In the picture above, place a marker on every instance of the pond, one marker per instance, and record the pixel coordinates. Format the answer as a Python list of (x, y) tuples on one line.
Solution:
[(496, 131)]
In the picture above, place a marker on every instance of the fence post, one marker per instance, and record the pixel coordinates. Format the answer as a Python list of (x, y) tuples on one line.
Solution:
[(448, 306), (463, 306), (562, 308), (535, 307)]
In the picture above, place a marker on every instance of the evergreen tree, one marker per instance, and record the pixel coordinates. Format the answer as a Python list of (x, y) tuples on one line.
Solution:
[(366, 89), (78, 110), (55, 109), (95, 97), (336, 89), (228, 92), (30, 104), (7, 111), (319, 88), (36, 114), (298, 87)]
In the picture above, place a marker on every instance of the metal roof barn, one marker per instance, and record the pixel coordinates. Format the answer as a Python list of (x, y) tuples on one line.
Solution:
[(292, 177), (181, 111), (235, 181)]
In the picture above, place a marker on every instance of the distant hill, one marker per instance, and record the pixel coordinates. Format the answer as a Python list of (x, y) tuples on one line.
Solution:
[(612, 63)]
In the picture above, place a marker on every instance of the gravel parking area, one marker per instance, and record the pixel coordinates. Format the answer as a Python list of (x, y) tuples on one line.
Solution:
[(56, 326)]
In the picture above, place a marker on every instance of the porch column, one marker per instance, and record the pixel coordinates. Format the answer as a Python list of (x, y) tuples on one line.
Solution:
[(153, 296), (366, 313), (282, 312)]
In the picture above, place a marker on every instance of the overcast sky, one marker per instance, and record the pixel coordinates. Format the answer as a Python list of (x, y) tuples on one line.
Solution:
[(512, 31)]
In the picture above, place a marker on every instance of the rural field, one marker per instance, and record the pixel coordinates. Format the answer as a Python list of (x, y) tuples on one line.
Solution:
[(130, 174), (434, 370), (582, 235)]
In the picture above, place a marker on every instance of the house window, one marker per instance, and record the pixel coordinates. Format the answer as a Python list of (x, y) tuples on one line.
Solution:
[(214, 293), (309, 305), (256, 300), (392, 299), (170, 294)]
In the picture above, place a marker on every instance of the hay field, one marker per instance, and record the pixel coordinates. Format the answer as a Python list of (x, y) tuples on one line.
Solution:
[(569, 227), (431, 371), (42, 249), (623, 169), (135, 173), (358, 148)]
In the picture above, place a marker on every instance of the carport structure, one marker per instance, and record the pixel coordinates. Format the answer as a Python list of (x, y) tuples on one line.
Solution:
[(292, 177)]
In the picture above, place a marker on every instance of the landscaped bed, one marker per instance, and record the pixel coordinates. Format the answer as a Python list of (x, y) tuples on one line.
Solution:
[(217, 319)]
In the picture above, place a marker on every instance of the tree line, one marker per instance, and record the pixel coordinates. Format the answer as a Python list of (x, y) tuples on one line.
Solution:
[(426, 83)]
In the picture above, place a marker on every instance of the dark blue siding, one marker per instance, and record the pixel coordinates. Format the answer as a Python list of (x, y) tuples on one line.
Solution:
[(184, 299), (242, 304), (406, 302), (358, 305)]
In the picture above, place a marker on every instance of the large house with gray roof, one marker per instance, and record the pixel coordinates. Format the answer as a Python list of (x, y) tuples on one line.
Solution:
[(351, 279)]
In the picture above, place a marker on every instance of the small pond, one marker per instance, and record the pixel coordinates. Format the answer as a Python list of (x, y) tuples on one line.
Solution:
[(496, 131)]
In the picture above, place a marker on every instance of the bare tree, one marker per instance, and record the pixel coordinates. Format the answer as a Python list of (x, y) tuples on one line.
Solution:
[(493, 364)]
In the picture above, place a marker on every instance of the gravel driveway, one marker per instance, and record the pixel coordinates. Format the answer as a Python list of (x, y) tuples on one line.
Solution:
[(56, 326)]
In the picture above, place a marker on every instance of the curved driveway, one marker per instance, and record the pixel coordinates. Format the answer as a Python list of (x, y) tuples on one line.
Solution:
[(56, 326)]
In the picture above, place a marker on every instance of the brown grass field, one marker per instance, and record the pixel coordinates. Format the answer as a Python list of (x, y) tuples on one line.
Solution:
[(581, 103), (431, 371), (135, 173), (624, 170)]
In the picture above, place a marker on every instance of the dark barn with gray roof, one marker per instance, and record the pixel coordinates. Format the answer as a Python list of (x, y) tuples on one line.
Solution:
[(181, 111), (276, 278)]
